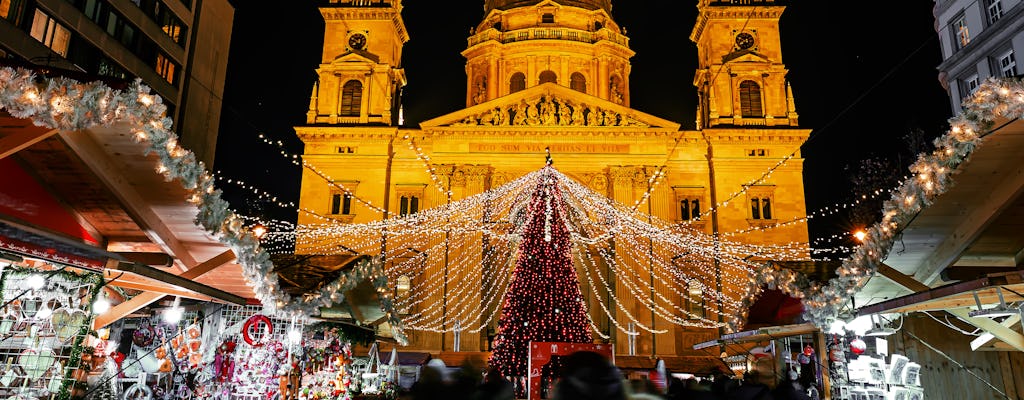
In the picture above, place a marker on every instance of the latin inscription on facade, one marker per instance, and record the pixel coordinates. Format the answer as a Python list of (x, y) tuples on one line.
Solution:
[(571, 148)]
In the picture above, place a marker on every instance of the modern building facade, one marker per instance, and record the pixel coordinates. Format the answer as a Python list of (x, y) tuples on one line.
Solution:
[(534, 54), (179, 48), (980, 39)]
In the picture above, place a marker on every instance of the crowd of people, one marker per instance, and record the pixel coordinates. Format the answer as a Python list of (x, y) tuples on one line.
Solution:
[(590, 376)]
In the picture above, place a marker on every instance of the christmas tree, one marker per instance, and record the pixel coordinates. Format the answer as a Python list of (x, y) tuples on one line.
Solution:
[(543, 303)]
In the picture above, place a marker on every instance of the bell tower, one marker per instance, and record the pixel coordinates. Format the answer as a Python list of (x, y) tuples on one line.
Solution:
[(741, 79), (360, 74)]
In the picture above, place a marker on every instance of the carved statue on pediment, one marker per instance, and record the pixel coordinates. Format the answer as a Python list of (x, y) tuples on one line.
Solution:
[(520, 117), (592, 116), (503, 116), (547, 111), (532, 115), (564, 113), (494, 116), (577, 115)]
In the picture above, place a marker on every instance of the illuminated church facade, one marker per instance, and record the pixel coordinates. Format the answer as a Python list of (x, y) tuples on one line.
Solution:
[(555, 74)]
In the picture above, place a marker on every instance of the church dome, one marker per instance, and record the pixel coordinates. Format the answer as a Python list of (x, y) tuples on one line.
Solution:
[(509, 4)]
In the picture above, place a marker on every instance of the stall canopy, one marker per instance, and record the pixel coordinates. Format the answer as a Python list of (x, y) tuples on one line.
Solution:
[(96, 195), (969, 241)]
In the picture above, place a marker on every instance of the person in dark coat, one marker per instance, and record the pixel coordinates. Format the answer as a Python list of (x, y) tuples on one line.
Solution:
[(494, 387), (589, 376), (751, 389), (790, 390)]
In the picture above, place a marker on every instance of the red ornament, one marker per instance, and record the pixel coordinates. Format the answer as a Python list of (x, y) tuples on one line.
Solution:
[(808, 351), (259, 325), (858, 346)]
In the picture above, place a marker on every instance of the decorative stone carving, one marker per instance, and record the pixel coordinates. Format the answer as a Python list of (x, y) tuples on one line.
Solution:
[(549, 111), (599, 183)]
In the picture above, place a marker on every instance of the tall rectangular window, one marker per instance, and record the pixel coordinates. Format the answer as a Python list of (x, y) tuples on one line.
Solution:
[(995, 11), (970, 85), (346, 204), (47, 31), (12, 10), (960, 32), (409, 205), (689, 209), (166, 68), (341, 203), (761, 199), (1008, 65)]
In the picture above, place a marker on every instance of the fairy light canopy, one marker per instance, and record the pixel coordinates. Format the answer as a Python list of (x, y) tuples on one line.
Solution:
[(449, 251)]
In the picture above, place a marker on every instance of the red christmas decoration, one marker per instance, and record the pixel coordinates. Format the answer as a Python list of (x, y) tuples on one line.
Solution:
[(544, 302), (259, 326), (808, 351), (858, 346)]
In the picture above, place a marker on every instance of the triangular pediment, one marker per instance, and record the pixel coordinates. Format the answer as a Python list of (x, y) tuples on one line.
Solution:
[(745, 56), (550, 105), (356, 56)]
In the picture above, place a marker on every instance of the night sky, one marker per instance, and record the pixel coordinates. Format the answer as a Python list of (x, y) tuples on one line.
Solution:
[(863, 75)]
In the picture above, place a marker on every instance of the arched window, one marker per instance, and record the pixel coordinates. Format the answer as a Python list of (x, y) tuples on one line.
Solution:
[(578, 82), (517, 83), (351, 98), (548, 76), (750, 99)]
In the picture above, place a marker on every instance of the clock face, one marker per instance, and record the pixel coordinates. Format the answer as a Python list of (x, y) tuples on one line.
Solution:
[(357, 41), (744, 40)]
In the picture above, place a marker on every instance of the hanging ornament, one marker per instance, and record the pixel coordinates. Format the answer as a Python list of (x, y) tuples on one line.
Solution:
[(808, 350), (257, 330), (857, 346)]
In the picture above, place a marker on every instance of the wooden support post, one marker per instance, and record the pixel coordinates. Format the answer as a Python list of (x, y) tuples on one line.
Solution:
[(823, 354)]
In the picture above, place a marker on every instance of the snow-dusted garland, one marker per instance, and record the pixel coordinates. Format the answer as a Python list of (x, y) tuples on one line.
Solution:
[(933, 175), (65, 104)]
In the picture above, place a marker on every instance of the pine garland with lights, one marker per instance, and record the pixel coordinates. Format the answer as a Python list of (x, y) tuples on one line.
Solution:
[(544, 302)]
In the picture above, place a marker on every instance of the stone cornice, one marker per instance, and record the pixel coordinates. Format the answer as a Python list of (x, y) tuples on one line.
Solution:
[(367, 13), (760, 135), (329, 133), (733, 12)]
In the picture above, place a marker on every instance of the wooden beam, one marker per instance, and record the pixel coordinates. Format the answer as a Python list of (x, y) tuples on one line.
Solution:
[(97, 159), (195, 271), (23, 138), (902, 279), (130, 281), (985, 338), (121, 310), (177, 280), (1007, 335), (979, 217)]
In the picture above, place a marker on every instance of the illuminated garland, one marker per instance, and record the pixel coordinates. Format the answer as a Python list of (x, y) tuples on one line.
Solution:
[(933, 175), (65, 104)]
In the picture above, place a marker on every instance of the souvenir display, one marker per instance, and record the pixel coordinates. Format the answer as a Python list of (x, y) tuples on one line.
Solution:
[(43, 325), (868, 376)]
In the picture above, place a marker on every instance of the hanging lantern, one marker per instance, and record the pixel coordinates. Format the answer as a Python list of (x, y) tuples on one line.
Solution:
[(857, 346)]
